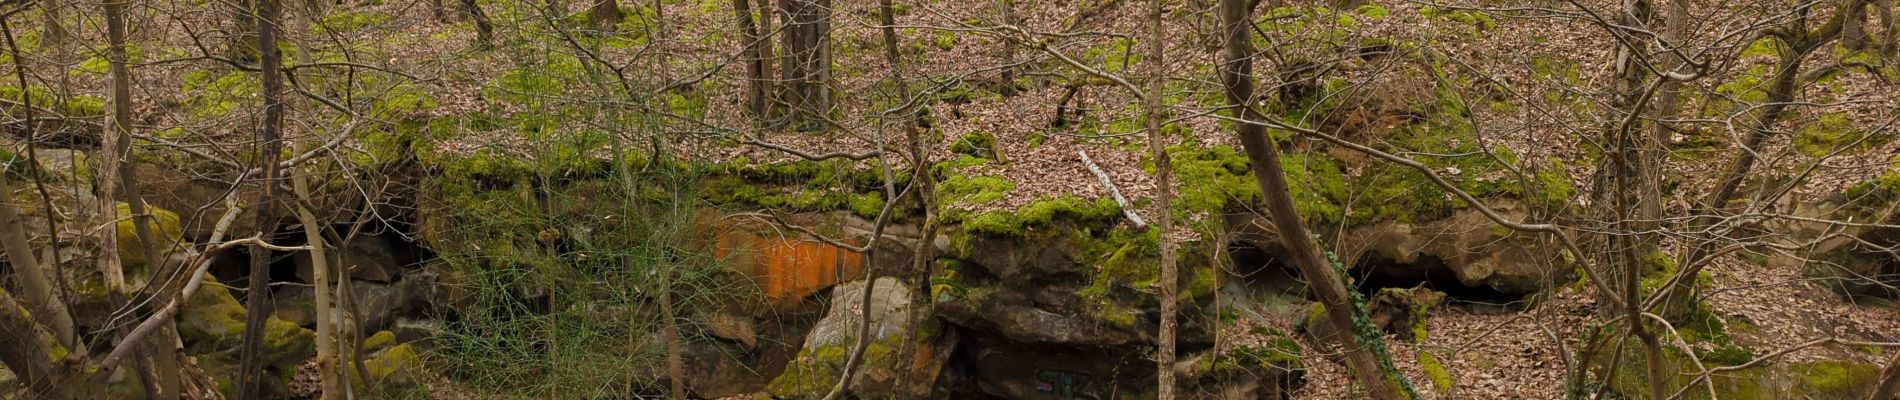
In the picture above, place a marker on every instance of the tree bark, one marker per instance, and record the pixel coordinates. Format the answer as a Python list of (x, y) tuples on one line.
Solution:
[(44, 303), (1889, 379), (484, 29), (751, 40), (55, 34), (33, 354), (1164, 199), (115, 148), (320, 277), (1679, 292), (807, 68), (241, 45), (606, 15), (257, 298), (1365, 354), (112, 147)]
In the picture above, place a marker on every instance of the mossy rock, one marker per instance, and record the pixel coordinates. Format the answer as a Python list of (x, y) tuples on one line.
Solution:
[(213, 322), (164, 225), (1817, 380), (394, 366)]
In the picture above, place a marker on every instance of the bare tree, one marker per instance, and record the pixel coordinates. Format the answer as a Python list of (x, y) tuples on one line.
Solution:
[(257, 298), (44, 304), (1365, 352), (1164, 197), (320, 281)]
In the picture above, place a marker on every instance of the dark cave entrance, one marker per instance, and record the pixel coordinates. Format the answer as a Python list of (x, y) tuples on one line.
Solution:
[(1376, 272), (1269, 268)]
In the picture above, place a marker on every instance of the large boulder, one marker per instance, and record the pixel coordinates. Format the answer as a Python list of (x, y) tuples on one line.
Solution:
[(888, 358), (1850, 260), (378, 305), (1067, 285), (1480, 253), (212, 327)]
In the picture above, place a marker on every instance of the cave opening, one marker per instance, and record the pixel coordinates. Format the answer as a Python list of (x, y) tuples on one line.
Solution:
[(1269, 268), (1376, 272)]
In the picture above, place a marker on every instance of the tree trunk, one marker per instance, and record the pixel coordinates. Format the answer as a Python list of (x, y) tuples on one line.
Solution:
[(807, 69), (484, 29), (924, 253), (55, 33), (1679, 293), (1889, 379), (111, 147), (115, 148), (320, 277), (1164, 198), (1366, 356), (242, 44), (44, 303), (1009, 52), (750, 42), (606, 15), (257, 297), (30, 351)]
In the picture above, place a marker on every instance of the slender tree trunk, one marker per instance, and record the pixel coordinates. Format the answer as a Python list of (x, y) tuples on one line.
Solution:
[(116, 149), (111, 151), (606, 15), (1365, 355), (257, 296), (807, 67), (29, 274), (1009, 52), (30, 351), (1164, 197), (320, 277), (42, 301), (242, 43), (750, 42), (924, 252), (484, 29), (55, 35), (1889, 380)]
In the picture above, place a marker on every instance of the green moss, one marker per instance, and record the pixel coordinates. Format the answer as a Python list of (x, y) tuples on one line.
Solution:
[(212, 95), (379, 340), (1833, 132), (394, 365), (1726, 355), (1436, 372), (1275, 351), (1372, 10), (1838, 377), (1039, 213), (945, 40), (350, 21), (1477, 20), (164, 224), (981, 144)]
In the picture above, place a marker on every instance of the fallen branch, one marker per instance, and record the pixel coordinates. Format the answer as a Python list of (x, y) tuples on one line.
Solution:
[(1127, 209)]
